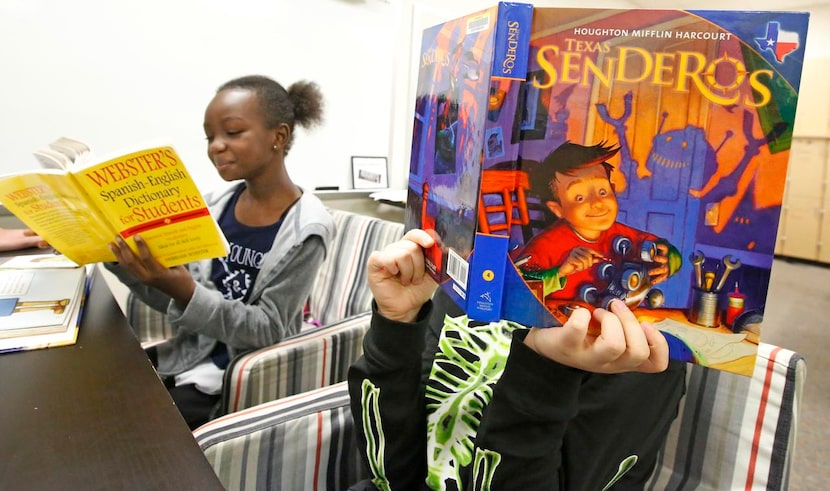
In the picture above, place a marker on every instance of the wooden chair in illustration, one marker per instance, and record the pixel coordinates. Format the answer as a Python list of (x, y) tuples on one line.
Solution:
[(502, 201)]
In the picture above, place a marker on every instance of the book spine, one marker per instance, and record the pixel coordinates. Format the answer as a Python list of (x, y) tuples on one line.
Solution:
[(490, 252), (512, 43), (486, 290)]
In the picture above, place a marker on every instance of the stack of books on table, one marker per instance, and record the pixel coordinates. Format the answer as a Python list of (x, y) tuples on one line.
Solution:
[(41, 301)]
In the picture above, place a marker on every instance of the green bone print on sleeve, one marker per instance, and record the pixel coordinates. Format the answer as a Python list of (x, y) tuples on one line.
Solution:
[(373, 430), (469, 362), (483, 469)]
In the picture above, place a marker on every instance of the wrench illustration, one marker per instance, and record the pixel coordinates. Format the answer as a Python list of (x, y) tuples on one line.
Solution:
[(697, 259), (730, 264)]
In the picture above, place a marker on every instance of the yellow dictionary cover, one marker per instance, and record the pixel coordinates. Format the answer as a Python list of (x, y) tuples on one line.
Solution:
[(80, 210)]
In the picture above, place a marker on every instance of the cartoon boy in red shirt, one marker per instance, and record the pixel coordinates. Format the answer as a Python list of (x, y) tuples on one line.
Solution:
[(586, 249)]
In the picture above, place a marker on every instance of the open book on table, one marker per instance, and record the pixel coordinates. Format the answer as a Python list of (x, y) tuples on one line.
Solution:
[(80, 204)]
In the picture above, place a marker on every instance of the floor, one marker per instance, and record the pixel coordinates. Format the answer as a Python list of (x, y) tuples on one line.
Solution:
[(795, 317)]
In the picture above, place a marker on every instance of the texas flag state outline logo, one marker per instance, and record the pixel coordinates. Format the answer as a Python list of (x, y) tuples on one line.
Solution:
[(778, 41)]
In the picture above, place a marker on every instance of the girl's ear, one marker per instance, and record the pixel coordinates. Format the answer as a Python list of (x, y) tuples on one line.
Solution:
[(282, 133), (554, 208)]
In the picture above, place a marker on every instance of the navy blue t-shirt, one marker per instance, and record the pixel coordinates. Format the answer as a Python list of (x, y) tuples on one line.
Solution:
[(234, 275)]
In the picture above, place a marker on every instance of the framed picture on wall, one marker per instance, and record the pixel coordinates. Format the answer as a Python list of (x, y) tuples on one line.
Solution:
[(369, 173)]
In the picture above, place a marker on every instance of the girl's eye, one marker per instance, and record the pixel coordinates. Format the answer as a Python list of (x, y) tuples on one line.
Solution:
[(579, 198), (603, 192)]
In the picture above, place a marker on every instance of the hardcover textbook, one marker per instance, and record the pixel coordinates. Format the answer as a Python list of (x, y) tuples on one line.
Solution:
[(641, 155), (81, 208)]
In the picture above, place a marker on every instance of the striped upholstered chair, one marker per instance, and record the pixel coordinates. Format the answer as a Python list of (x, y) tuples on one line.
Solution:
[(319, 355), (149, 325), (340, 290), (733, 432), (305, 441), (307, 361)]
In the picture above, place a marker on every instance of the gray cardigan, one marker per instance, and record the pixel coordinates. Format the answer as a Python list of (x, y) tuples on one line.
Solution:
[(275, 307)]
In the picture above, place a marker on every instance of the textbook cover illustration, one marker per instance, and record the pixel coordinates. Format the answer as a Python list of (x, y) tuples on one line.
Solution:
[(641, 157), (79, 206)]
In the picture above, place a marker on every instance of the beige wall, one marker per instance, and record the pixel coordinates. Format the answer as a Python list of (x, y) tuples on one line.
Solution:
[(813, 115), (804, 228)]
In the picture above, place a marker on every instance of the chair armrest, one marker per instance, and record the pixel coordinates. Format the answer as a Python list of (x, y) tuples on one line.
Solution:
[(735, 432), (305, 441), (149, 325), (303, 362)]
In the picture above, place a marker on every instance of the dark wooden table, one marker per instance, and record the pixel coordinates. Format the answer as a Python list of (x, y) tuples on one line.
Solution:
[(94, 415)]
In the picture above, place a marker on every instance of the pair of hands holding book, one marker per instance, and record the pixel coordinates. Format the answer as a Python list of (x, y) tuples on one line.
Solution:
[(401, 285)]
